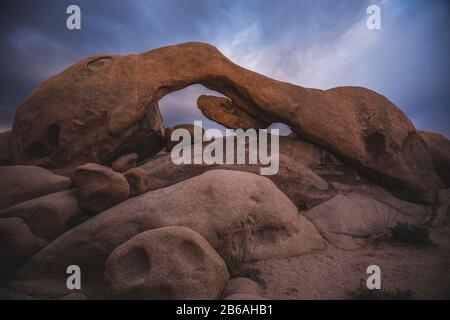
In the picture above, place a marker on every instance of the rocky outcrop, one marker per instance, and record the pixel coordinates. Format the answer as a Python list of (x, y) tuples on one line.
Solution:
[(112, 100), (17, 244), (243, 216), (296, 178), (69, 127), (165, 263), (439, 148), (441, 209), (222, 110), (47, 216), (349, 217), (125, 162), (99, 188), (138, 181), (22, 183)]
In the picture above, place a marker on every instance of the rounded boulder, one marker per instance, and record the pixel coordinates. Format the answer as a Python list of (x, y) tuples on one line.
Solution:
[(166, 263), (99, 187)]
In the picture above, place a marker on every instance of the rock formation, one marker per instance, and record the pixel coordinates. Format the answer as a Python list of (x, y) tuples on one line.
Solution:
[(125, 162), (17, 244), (47, 216), (221, 110), (441, 209), (295, 176), (243, 216), (347, 217), (104, 106), (168, 263), (138, 181), (439, 148), (99, 188), (22, 183), (140, 226)]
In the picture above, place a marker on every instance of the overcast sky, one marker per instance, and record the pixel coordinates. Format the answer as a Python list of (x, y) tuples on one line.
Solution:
[(311, 43)]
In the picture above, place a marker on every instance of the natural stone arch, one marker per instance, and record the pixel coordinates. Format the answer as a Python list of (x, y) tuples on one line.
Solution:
[(180, 108), (121, 90)]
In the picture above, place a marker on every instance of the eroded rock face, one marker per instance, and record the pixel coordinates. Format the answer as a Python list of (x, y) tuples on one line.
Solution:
[(165, 263), (439, 148), (99, 188), (17, 243), (22, 183), (47, 216), (225, 207), (441, 210), (221, 110), (138, 181), (93, 110), (125, 162), (348, 217), (67, 123), (295, 176)]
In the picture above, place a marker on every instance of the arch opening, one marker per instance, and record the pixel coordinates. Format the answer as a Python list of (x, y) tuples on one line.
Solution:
[(180, 107)]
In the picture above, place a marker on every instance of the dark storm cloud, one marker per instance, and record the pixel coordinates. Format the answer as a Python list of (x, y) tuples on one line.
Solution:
[(312, 43)]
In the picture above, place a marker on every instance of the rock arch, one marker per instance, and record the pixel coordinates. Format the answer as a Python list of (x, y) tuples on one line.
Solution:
[(98, 103)]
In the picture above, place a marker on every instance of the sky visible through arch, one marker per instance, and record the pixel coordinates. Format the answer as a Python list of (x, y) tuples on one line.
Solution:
[(312, 43)]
